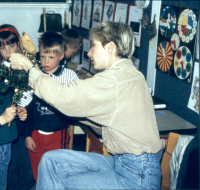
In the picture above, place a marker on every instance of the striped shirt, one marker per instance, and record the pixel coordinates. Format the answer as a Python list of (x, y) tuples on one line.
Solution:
[(62, 74)]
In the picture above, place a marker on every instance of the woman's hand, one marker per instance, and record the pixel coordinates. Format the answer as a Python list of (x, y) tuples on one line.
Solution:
[(8, 115), (20, 62), (22, 113), (30, 144)]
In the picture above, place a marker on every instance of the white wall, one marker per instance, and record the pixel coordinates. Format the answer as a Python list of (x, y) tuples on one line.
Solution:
[(26, 17)]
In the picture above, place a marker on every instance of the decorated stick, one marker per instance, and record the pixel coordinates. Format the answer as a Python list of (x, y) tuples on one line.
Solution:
[(44, 18)]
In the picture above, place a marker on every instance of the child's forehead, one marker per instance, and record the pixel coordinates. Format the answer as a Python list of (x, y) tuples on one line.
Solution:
[(48, 50)]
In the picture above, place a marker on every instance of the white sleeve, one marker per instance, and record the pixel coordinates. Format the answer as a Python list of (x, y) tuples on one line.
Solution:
[(25, 99)]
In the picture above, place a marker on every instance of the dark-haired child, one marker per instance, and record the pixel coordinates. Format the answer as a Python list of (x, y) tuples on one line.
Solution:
[(10, 42), (47, 129)]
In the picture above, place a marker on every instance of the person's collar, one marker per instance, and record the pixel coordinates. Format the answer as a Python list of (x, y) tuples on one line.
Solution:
[(117, 62), (58, 72)]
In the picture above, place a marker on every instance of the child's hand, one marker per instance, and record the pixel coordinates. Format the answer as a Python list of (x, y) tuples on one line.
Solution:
[(8, 115), (22, 113), (30, 144)]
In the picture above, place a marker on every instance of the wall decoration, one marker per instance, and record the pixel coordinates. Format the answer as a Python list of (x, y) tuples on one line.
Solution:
[(97, 13), (86, 14), (177, 36), (76, 13), (193, 102), (187, 25), (121, 12), (142, 4), (151, 27), (108, 12), (167, 21), (164, 56), (85, 58), (134, 16), (182, 62), (175, 41)]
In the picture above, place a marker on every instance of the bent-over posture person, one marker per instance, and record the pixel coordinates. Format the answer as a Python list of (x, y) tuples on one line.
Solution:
[(118, 99)]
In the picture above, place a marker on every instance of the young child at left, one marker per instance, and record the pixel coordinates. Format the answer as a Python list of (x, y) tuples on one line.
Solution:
[(9, 43), (47, 128)]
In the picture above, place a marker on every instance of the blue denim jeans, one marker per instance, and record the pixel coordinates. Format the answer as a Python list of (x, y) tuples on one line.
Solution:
[(5, 155), (68, 169)]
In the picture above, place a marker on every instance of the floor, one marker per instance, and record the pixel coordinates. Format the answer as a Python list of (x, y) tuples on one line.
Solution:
[(79, 144)]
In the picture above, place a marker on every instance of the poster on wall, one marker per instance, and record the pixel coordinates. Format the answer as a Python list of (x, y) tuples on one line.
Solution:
[(86, 14), (176, 41), (76, 13), (85, 58), (134, 16), (97, 13), (108, 11), (121, 12), (193, 102)]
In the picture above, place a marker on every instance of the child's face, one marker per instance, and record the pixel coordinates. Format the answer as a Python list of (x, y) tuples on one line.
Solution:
[(7, 50), (50, 61), (69, 52)]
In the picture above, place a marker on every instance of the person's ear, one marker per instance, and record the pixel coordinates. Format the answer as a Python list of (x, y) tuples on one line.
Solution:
[(111, 47), (67, 47), (61, 57)]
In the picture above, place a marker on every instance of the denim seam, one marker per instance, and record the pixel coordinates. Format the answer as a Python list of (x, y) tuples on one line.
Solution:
[(71, 165), (135, 171)]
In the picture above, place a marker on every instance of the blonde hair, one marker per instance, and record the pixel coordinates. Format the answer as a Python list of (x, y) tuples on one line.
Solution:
[(121, 34), (51, 42)]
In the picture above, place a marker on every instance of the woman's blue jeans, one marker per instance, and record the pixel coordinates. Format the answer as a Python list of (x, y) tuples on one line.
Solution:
[(68, 169), (5, 156)]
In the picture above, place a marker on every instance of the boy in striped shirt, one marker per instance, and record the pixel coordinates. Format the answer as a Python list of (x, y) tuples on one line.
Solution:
[(47, 127)]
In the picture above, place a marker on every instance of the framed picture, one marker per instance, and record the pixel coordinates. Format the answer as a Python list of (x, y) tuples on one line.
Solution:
[(85, 50), (76, 18), (97, 13), (134, 16), (121, 12), (86, 14), (108, 11)]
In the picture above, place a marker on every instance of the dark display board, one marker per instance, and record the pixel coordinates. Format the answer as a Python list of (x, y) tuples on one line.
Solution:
[(172, 90), (176, 41)]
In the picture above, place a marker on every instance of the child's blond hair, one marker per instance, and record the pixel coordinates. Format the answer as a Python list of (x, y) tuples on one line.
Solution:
[(51, 42)]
